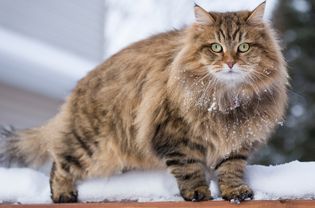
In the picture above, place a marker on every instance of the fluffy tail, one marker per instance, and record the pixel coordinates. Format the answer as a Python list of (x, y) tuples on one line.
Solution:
[(26, 148)]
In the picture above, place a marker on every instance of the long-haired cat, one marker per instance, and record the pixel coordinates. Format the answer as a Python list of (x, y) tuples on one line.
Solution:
[(191, 100)]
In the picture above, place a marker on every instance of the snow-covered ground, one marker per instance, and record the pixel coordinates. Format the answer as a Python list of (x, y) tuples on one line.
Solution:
[(293, 180)]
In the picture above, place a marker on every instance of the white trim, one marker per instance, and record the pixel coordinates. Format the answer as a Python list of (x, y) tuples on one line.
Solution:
[(40, 53)]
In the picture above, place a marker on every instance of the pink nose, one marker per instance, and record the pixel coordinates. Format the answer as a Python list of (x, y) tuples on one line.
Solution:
[(230, 64)]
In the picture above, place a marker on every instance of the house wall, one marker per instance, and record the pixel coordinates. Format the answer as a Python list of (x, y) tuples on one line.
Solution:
[(45, 47), (24, 109)]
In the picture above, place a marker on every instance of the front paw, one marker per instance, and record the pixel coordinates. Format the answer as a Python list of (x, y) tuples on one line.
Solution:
[(70, 197), (237, 194), (201, 193)]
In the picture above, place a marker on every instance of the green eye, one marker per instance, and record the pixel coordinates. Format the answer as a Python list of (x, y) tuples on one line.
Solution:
[(216, 47), (244, 47)]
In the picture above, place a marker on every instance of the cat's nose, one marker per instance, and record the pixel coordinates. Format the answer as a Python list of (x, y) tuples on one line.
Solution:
[(230, 64)]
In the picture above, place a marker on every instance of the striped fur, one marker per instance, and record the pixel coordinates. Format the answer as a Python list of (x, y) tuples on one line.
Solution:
[(146, 107)]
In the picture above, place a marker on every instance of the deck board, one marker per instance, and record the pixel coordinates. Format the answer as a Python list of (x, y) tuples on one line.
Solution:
[(208, 204)]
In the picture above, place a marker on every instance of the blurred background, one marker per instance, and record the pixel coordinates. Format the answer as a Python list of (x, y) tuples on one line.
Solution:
[(47, 46)]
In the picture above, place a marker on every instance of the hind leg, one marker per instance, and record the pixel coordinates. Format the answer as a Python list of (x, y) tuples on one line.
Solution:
[(62, 184)]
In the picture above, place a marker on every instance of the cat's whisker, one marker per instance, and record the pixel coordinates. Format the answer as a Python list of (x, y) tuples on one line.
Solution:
[(300, 95), (205, 90), (213, 83), (262, 74), (202, 78), (252, 85), (272, 95)]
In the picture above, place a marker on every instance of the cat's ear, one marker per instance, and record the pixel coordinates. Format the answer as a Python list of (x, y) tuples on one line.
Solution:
[(257, 14), (202, 16)]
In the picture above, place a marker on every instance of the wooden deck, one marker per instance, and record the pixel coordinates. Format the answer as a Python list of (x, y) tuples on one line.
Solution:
[(208, 204)]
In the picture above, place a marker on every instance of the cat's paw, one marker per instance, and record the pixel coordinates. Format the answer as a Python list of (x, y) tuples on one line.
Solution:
[(71, 197), (201, 193), (237, 194)]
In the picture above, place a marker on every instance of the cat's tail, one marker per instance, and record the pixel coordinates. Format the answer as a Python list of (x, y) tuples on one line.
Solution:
[(26, 148)]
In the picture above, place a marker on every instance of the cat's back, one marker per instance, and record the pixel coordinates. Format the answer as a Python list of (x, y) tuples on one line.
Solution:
[(153, 54), (115, 88), (158, 49)]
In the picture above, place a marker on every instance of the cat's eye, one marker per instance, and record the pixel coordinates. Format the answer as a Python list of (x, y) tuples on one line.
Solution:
[(216, 47), (244, 47)]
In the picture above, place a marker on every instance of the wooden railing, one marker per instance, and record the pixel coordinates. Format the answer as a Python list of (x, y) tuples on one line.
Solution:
[(208, 204)]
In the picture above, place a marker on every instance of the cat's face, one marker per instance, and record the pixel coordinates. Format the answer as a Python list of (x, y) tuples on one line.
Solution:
[(235, 47), (231, 54)]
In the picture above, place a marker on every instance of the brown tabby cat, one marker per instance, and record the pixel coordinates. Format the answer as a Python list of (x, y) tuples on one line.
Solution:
[(190, 100)]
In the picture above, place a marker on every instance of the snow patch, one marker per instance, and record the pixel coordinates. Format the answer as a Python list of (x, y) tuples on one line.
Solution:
[(288, 181)]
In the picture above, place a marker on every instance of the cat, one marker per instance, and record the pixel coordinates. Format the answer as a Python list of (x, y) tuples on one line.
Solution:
[(192, 101)]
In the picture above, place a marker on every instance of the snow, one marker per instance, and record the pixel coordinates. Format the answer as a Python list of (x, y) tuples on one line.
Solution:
[(294, 180), (213, 107), (23, 185)]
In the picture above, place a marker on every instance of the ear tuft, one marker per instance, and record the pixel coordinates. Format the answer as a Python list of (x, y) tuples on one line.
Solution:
[(202, 16), (257, 14)]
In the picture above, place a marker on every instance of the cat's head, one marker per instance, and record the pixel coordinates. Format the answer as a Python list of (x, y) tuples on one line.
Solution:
[(232, 48)]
